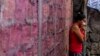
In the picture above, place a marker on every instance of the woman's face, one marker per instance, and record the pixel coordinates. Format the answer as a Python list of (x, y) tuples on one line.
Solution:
[(82, 22)]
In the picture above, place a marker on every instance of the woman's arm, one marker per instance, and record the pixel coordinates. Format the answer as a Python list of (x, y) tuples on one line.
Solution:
[(77, 31)]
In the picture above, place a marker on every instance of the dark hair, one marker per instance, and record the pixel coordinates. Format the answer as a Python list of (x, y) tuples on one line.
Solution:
[(78, 10), (78, 17)]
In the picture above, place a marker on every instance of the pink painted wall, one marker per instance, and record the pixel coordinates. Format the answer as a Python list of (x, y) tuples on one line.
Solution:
[(19, 27), (57, 16), (68, 21)]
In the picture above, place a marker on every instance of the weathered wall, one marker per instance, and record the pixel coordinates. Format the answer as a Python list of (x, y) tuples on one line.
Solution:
[(94, 32), (57, 17), (19, 27)]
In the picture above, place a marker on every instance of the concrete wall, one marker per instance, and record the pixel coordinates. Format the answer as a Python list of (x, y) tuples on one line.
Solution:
[(19, 24), (94, 32)]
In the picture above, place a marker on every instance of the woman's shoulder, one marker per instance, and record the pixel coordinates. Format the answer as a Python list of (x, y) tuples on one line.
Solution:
[(75, 27)]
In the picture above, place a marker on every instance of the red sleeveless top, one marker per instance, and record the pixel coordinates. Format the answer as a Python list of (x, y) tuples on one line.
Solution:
[(74, 43)]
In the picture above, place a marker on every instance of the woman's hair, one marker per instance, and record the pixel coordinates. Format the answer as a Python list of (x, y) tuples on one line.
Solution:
[(78, 17), (78, 10)]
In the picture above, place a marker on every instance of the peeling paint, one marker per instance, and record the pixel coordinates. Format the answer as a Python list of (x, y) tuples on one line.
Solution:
[(19, 27)]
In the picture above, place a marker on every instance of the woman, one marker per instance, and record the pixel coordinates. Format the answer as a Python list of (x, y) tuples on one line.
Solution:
[(77, 36)]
